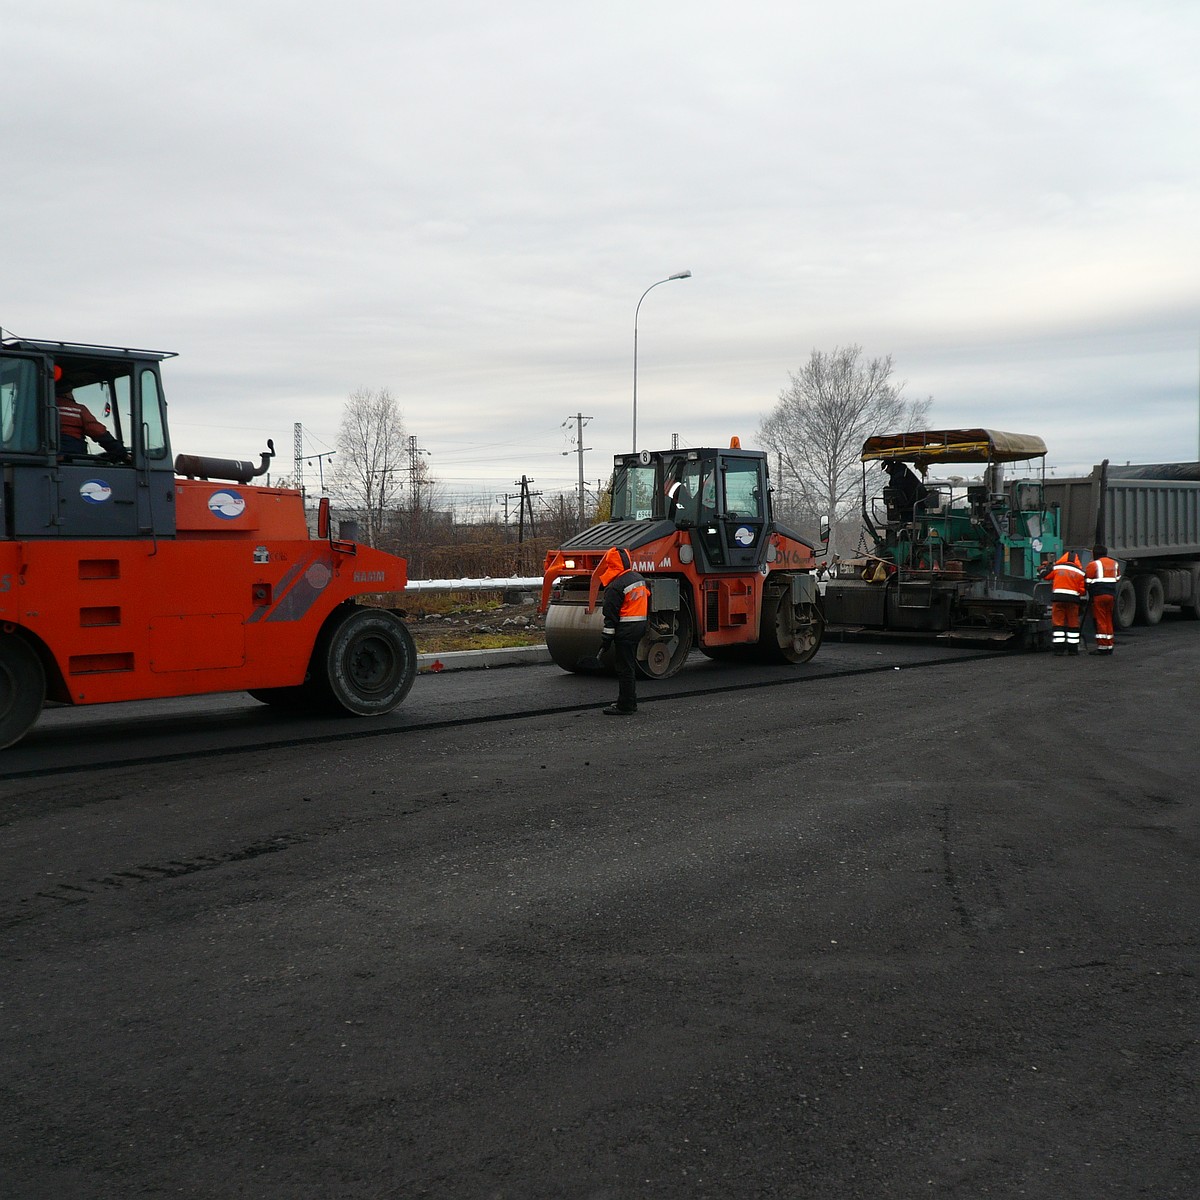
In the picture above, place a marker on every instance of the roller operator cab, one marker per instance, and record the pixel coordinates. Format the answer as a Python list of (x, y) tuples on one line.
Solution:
[(954, 548), (128, 575), (724, 577)]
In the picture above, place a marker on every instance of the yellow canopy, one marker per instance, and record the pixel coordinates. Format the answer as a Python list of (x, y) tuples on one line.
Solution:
[(953, 445)]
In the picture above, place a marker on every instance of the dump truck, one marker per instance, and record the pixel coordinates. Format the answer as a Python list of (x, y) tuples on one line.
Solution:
[(954, 548), (725, 577), (1149, 518), (132, 575)]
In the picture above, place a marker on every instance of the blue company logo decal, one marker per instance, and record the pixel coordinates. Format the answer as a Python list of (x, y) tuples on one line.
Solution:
[(226, 504), (95, 491), (743, 535)]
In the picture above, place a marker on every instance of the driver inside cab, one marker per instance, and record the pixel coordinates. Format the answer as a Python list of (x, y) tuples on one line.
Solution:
[(76, 424)]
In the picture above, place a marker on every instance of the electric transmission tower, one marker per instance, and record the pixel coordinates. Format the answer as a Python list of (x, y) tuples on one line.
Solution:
[(298, 449)]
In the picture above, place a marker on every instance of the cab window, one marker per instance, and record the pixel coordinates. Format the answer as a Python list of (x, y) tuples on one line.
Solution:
[(109, 404), (19, 426), (743, 489), (153, 425), (633, 493)]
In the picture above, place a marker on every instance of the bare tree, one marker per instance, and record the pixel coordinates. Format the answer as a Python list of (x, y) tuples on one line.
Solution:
[(372, 448), (825, 414)]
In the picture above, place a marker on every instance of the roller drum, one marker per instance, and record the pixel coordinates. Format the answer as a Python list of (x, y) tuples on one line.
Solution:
[(573, 634)]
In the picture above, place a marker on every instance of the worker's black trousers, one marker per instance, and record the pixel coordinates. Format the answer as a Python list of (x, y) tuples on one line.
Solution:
[(625, 645)]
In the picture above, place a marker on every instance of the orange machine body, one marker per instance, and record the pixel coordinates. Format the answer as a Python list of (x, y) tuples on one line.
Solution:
[(725, 577), (129, 574), (233, 602)]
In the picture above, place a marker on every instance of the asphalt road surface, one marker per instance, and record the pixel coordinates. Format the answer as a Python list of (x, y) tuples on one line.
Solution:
[(904, 922)]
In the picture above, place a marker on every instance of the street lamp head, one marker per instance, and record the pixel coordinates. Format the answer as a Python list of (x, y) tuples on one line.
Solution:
[(669, 278)]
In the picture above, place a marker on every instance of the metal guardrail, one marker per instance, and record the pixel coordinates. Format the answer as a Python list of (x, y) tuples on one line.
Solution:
[(514, 582)]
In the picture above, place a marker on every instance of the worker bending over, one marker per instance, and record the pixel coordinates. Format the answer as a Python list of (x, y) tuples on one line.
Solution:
[(625, 611), (1068, 591)]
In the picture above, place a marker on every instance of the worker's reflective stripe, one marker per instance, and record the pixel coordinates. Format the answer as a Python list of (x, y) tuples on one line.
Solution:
[(636, 603), (1102, 576), (1067, 579)]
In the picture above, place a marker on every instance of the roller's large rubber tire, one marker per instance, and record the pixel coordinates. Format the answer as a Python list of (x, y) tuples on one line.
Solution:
[(1125, 605), (364, 663), (660, 658), (22, 688), (1150, 598)]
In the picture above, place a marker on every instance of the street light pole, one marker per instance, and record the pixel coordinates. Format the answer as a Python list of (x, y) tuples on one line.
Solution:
[(680, 275)]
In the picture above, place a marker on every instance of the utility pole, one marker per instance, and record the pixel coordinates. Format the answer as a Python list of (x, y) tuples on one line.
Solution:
[(414, 471), (580, 420), (526, 502)]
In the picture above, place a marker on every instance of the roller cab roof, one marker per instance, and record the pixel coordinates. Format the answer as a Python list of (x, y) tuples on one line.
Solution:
[(74, 350), (953, 446)]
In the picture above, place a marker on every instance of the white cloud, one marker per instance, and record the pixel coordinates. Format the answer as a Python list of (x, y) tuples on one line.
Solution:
[(464, 201)]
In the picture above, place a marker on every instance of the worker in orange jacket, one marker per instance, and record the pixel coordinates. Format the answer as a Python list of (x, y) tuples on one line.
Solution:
[(76, 424), (1102, 575), (1068, 589), (626, 610)]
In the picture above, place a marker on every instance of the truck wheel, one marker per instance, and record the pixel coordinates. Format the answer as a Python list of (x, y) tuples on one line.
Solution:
[(22, 688), (1125, 606), (1149, 591), (667, 643), (364, 663)]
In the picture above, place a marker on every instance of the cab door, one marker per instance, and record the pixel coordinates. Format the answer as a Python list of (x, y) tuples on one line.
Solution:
[(98, 498), (733, 511), (744, 516)]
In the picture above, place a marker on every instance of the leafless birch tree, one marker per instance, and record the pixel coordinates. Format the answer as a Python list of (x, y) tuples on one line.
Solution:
[(372, 448), (830, 407)]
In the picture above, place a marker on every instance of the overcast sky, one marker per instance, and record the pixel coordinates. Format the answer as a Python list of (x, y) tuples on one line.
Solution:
[(464, 201)]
